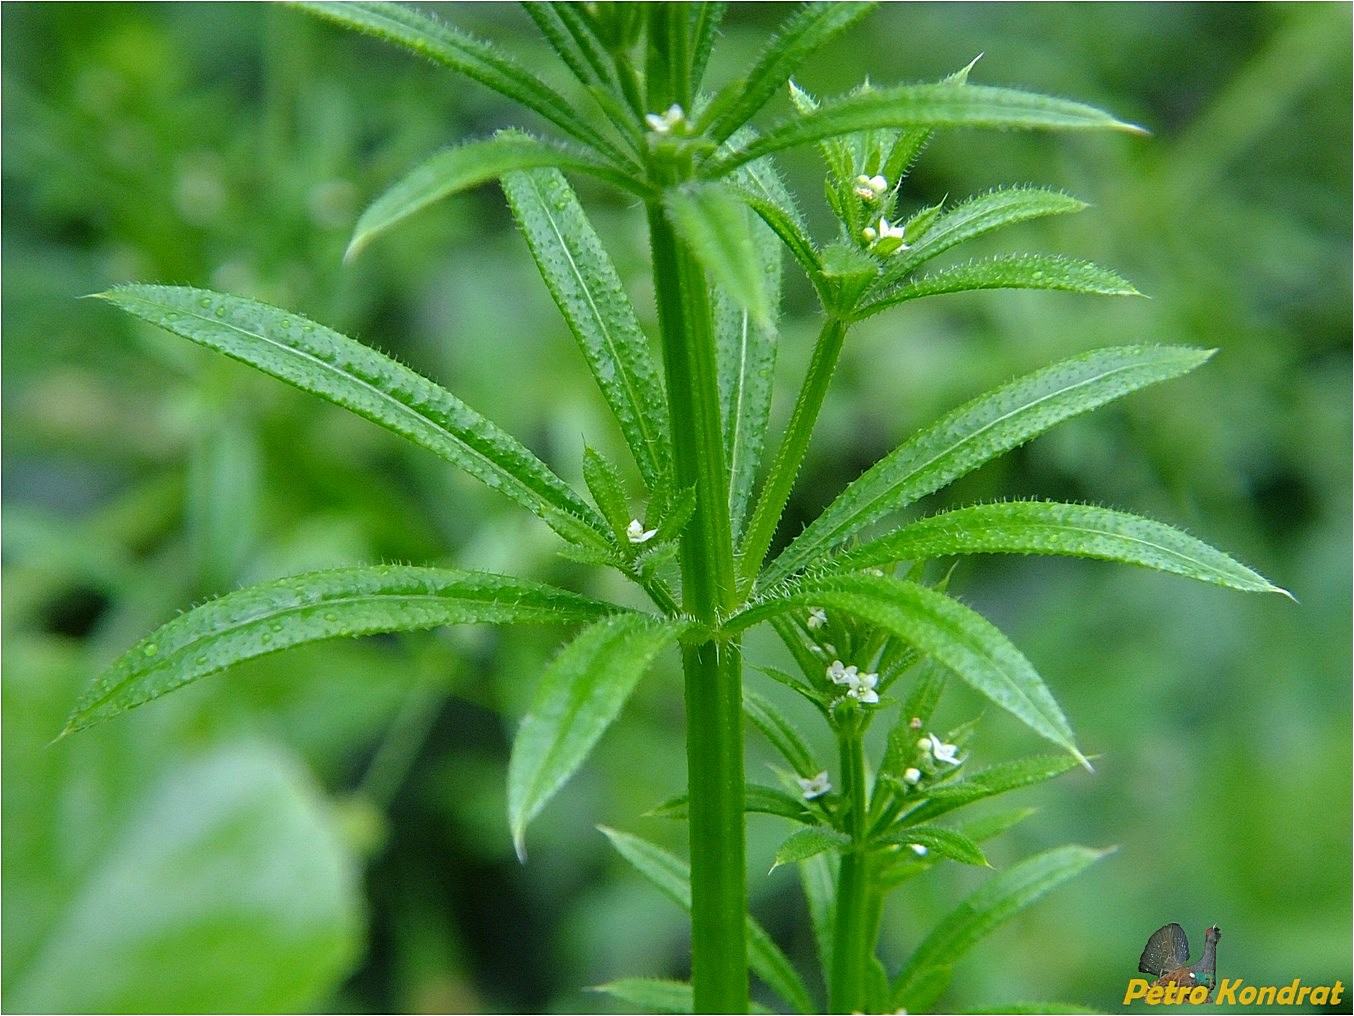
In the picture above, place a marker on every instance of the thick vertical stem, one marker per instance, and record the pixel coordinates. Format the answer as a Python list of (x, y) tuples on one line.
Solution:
[(852, 935), (713, 669)]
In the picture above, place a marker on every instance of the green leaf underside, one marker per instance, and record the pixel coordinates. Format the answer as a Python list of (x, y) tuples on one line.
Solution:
[(977, 432), (672, 877), (580, 693), (974, 217), (374, 386), (1011, 271), (716, 227), (454, 49), (318, 605), (926, 975), (923, 106), (460, 168), (806, 843), (941, 627), (1047, 527), (938, 840), (589, 293)]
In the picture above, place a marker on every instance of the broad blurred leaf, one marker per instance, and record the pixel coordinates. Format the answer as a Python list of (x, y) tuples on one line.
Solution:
[(1044, 527), (372, 385), (967, 437), (579, 695), (225, 890), (931, 106), (927, 972), (266, 618), (589, 293)]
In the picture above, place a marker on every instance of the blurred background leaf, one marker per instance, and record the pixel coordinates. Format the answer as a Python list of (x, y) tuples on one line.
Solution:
[(352, 794)]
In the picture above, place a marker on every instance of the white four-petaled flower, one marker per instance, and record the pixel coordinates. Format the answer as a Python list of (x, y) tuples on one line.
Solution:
[(814, 786), (667, 122), (939, 750), (884, 238), (817, 618), (636, 533), (860, 687)]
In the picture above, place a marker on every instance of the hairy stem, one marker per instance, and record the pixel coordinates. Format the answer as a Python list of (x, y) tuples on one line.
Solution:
[(852, 940), (713, 670)]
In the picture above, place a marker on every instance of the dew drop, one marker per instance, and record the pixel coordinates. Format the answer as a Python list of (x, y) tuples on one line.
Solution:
[(151, 649), (206, 301)]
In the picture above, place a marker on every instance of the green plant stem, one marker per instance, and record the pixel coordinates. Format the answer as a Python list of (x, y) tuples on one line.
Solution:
[(713, 669), (852, 940), (790, 455)]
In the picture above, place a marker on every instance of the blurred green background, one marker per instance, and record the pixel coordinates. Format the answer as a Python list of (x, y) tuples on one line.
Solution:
[(324, 830)]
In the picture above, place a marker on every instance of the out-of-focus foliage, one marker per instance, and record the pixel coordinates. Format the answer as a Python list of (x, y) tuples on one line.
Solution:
[(337, 813)]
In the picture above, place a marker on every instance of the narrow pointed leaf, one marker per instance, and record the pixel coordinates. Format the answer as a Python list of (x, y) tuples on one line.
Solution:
[(370, 384), (949, 104), (468, 165), (475, 58), (807, 30), (715, 226), (672, 877), (974, 217), (267, 618), (757, 799), (939, 840), (806, 843), (570, 35), (779, 731), (1074, 530), (1009, 271), (925, 977), (818, 880), (746, 355), (579, 695), (981, 430), (941, 627), (989, 782), (648, 994), (589, 293)]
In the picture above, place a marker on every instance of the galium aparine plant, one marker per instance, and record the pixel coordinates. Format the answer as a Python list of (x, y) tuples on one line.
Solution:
[(871, 637)]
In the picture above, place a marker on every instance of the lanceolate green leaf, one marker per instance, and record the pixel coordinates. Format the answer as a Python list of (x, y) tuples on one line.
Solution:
[(580, 693), (939, 840), (784, 52), (926, 975), (462, 167), (968, 436), (988, 782), (671, 876), (372, 385), (463, 53), (1009, 271), (974, 217), (592, 299), (806, 843), (940, 627), (1044, 527), (307, 608), (931, 106)]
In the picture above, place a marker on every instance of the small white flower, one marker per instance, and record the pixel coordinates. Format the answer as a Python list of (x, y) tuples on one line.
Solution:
[(939, 750), (862, 688), (911, 776), (869, 188), (636, 533), (817, 618), (885, 238), (840, 674), (918, 849), (815, 786), (667, 122)]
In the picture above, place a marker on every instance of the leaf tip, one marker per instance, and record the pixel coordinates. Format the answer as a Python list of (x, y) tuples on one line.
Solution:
[(519, 844), (355, 247)]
